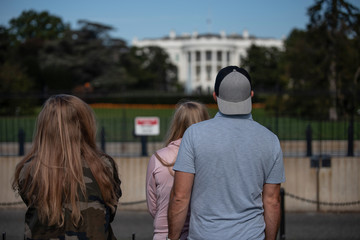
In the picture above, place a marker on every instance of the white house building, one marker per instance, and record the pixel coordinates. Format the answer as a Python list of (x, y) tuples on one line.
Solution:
[(199, 57)]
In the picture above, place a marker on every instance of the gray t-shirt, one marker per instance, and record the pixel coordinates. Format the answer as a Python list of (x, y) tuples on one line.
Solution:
[(232, 158)]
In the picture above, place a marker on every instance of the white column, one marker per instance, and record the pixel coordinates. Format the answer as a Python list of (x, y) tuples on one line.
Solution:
[(237, 58), (223, 60), (232, 58), (193, 70), (213, 65), (203, 68), (189, 86), (188, 72), (183, 68)]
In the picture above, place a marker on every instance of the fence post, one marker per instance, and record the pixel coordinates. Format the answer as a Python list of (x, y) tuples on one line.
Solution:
[(4, 236), (21, 138), (308, 141), (143, 146), (282, 221), (103, 139), (350, 152)]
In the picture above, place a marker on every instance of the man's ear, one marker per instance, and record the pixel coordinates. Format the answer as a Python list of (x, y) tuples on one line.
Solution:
[(252, 93), (214, 96)]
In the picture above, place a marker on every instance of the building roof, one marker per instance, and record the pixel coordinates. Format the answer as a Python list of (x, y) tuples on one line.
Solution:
[(186, 36)]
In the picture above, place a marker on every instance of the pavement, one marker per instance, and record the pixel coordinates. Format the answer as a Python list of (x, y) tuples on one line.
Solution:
[(137, 225)]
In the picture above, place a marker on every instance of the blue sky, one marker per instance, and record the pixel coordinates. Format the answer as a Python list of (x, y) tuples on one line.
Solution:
[(156, 18)]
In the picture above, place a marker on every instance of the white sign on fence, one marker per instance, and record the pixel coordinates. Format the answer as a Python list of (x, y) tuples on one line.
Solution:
[(147, 126)]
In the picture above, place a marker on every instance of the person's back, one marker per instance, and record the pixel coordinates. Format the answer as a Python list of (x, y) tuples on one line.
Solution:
[(159, 177), (96, 216), (231, 166), (71, 188)]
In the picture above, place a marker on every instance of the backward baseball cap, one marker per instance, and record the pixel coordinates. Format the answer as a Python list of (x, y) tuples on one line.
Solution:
[(233, 91)]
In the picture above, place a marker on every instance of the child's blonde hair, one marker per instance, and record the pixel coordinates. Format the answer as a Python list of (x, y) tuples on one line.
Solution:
[(186, 114)]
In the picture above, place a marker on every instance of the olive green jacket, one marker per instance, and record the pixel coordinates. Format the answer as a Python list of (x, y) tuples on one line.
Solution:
[(96, 216)]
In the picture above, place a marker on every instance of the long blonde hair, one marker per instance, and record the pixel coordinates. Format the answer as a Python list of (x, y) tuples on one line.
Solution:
[(65, 136), (186, 114)]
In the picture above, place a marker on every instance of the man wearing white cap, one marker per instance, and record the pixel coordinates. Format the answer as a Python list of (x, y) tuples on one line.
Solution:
[(228, 170)]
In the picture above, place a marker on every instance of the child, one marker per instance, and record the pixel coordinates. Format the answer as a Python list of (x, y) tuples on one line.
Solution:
[(160, 176)]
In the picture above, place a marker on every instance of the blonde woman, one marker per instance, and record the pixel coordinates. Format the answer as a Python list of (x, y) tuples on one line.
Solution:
[(160, 176), (70, 187)]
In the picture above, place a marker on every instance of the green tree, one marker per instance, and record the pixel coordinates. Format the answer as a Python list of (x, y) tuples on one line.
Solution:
[(338, 20), (321, 62), (87, 59), (14, 84), (32, 25), (4, 44), (305, 68), (152, 69), (265, 66), (20, 45), (28, 33)]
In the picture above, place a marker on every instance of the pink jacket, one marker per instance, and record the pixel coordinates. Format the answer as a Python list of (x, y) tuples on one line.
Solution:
[(159, 181)]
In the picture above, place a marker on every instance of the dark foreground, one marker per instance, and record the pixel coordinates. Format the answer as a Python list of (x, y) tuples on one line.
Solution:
[(298, 226)]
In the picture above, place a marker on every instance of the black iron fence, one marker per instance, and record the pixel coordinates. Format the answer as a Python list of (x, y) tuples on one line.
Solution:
[(299, 137)]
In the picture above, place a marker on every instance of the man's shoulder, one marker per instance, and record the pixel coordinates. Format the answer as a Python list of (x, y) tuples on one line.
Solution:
[(204, 124), (264, 129), (202, 127)]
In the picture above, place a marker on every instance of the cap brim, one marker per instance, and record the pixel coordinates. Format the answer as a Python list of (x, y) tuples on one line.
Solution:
[(234, 108)]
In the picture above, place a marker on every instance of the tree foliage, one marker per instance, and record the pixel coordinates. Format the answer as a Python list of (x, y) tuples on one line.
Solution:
[(320, 66), (32, 25), (265, 66), (305, 69), (50, 57), (338, 22), (87, 59), (151, 67), (14, 80), (25, 38)]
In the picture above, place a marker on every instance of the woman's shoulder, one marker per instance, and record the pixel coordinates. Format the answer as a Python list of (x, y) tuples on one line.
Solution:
[(25, 168), (107, 160), (168, 153)]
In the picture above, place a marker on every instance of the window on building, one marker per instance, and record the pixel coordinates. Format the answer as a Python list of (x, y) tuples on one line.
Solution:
[(208, 72), (208, 55), (198, 56), (218, 68), (198, 70), (219, 56), (228, 57), (189, 57)]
